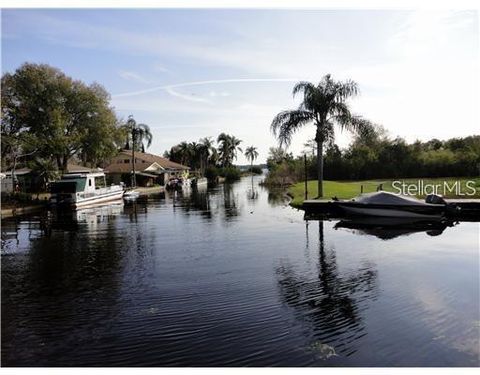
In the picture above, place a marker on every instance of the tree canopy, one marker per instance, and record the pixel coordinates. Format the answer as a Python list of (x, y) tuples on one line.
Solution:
[(45, 111)]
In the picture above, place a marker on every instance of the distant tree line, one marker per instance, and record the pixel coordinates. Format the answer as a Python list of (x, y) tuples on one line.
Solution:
[(208, 157), (374, 155)]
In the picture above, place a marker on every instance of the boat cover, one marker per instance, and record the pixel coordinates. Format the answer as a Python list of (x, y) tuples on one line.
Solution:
[(384, 197)]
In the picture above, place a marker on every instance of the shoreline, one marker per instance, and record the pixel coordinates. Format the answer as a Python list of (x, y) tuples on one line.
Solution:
[(19, 211)]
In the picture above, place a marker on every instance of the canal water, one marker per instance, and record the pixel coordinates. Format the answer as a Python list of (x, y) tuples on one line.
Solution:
[(232, 276)]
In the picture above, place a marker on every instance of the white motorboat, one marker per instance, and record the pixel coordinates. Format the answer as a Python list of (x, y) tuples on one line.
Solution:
[(387, 204), (78, 190), (131, 195)]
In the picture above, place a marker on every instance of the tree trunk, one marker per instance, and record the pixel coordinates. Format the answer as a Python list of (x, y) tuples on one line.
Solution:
[(65, 164), (320, 166), (134, 177)]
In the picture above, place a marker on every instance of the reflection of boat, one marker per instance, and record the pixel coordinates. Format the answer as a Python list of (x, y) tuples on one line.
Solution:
[(92, 216), (131, 195), (387, 204), (388, 228), (177, 183), (78, 190)]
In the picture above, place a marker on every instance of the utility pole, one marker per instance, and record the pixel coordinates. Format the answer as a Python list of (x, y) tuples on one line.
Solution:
[(134, 134), (306, 176)]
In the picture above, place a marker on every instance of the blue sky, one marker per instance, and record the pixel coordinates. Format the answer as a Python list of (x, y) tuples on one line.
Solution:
[(195, 73)]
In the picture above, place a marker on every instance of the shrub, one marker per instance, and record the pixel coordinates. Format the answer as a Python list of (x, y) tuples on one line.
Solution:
[(255, 170), (211, 173), (230, 173)]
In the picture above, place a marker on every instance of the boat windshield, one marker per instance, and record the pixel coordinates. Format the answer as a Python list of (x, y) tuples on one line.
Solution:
[(72, 185)]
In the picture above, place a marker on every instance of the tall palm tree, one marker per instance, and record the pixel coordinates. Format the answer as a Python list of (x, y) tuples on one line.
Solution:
[(207, 152), (139, 134), (251, 154), (183, 149), (228, 147), (324, 105)]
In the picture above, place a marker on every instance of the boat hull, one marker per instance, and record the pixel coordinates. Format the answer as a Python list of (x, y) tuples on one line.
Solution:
[(430, 211), (89, 201), (86, 202)]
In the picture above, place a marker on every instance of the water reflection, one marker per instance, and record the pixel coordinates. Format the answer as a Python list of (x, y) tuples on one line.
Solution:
[(390, 228), (214, 278), (252, 192), (330, 302), (69, 293)]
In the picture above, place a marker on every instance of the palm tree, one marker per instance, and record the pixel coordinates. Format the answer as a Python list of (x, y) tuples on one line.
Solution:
[(251, 154), (138, 133), (324, 105), (183, 150), (45, 169), (228, 147), (208, 153)]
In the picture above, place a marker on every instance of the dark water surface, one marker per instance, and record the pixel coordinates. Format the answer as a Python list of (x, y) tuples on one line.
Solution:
[(234, 277)]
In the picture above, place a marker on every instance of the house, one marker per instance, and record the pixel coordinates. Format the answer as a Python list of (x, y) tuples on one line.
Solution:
[(150, 169)]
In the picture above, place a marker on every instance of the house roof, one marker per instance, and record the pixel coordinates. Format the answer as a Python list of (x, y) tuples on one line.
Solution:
[(149, 159), (71, 168), (74, 168), (18, 172)]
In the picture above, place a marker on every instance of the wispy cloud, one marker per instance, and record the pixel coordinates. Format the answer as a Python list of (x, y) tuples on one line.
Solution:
[(160, 68), (132, 76), (189, 97), (201, 83)]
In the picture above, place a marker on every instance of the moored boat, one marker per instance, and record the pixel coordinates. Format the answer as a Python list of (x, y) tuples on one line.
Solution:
[(131, 195), (78, 190), (388, 204)]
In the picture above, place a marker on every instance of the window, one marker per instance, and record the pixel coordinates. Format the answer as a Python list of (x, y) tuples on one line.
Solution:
[(89, 182), (126, 161), (99, 182)]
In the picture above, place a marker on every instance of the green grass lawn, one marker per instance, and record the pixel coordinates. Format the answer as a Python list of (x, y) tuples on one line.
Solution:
[(350, 189)]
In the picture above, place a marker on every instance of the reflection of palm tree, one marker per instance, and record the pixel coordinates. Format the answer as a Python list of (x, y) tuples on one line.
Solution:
[(330, 302), (197, 201), (229, 202)]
